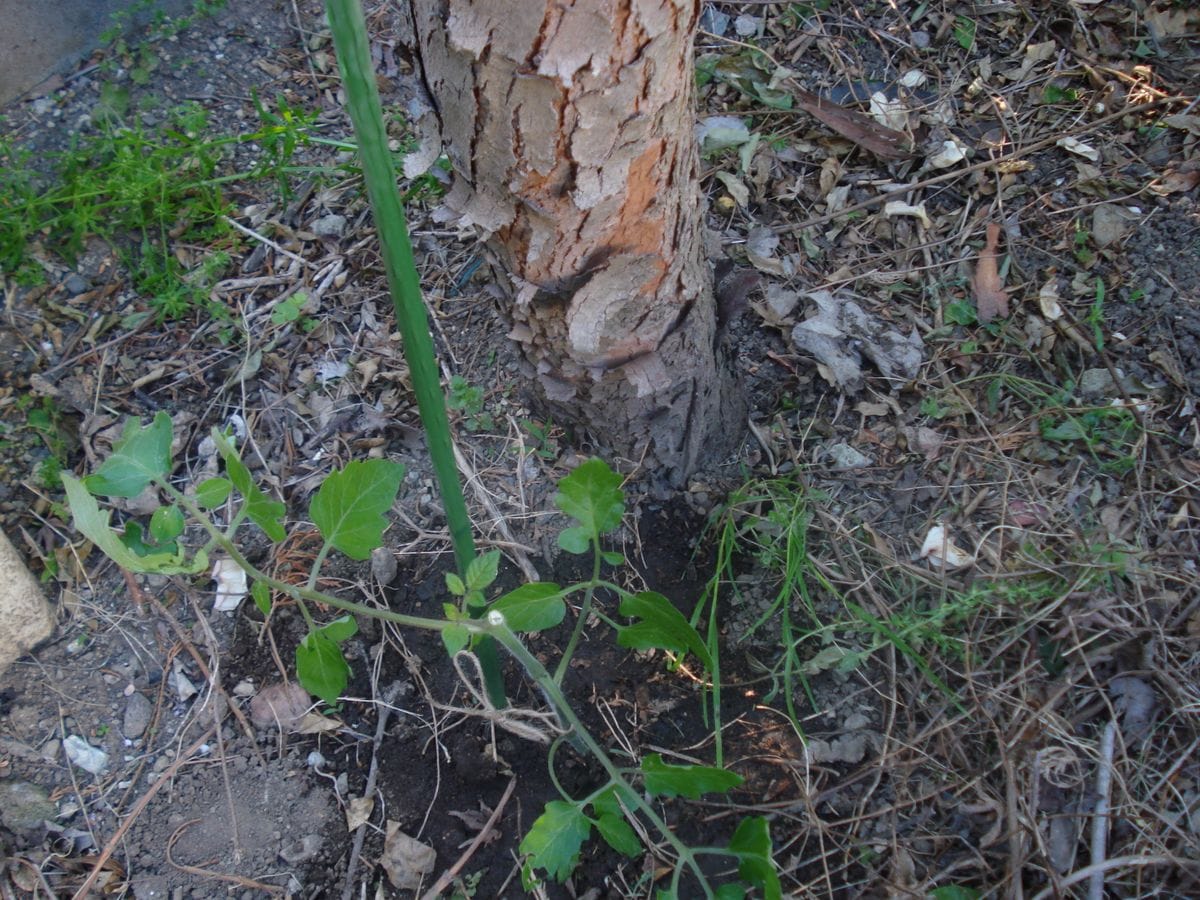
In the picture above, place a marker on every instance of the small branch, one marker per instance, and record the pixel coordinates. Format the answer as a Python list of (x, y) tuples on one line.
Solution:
[(385, 709), (1100, 815)]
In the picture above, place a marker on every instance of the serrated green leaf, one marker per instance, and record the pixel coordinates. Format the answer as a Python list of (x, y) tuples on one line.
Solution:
[(262, 510), (751, 842), (554, 841), (94, 525), (349, 508), (320, 667), (662, 627), (592, 496), (532, 607), (166, 524), (141, 455), (262, 597), (666, 780), (212, 492), (610, 822), (618, 834), (574, 540), (455, 585), (482, 570), (340, 629)]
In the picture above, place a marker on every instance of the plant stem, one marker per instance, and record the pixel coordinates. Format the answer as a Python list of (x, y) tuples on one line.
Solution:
[(585, 610), (535, 670), (362, 97)]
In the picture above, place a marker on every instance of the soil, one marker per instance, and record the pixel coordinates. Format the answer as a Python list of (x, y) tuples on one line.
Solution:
[(877, 779)]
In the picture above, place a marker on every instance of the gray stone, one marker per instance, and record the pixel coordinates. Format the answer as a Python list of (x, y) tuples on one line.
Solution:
[(331, 225), (24, 806), (25, 617), (138, 712), (76, 284)]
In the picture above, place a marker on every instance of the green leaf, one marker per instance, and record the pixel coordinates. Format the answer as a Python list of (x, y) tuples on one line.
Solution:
[(455, 585), (349, 508), (574, 540), (554, 841), (610, 822), (320, 667), (532, 607), (140, 456), (456, 637), (954, 892), (133, 538), (166, 524), (592, 496), (482, 570), (340, 629), (612, 557), (665, 780), (261, 509), (752, 844), (212, 492), (94, 525), (662, 626), (964, 32), (262, 597), (730, 892)]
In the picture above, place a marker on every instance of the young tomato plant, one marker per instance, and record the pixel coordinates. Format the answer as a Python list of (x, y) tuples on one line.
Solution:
[(350, 512)]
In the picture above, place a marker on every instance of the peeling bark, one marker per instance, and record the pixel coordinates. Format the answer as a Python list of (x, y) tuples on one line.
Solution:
[(570, 129)]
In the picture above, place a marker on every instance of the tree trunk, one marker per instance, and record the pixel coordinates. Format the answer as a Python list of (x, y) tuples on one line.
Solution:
[(570, 129)]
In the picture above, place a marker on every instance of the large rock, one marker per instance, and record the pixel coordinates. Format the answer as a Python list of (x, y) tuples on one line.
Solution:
[(25, 616)]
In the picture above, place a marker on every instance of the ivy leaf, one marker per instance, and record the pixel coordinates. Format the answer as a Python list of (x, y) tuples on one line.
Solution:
[(482, 570), (752, 844), (610, 822), (94, 525), (554, 841), (340, 629), (262, 510), (348, 509), (262, 597), (665, 780), (532, 607), (320, 667), (592, 496), (140, 456), (212, 492), (662, 626)]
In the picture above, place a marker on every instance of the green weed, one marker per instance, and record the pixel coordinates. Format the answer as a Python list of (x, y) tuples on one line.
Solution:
[(144, 194)]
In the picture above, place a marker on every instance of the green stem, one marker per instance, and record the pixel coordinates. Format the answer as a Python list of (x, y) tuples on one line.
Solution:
[(535, 670), (362, 98), (585, 610)]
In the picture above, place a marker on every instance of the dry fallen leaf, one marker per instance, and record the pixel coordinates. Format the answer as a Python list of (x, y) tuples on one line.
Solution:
[(407, 861), (231, 585), (941, 551), (282, 704), (991, 300)]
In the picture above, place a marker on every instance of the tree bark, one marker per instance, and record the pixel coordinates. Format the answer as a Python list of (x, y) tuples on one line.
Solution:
[(570, 127)]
